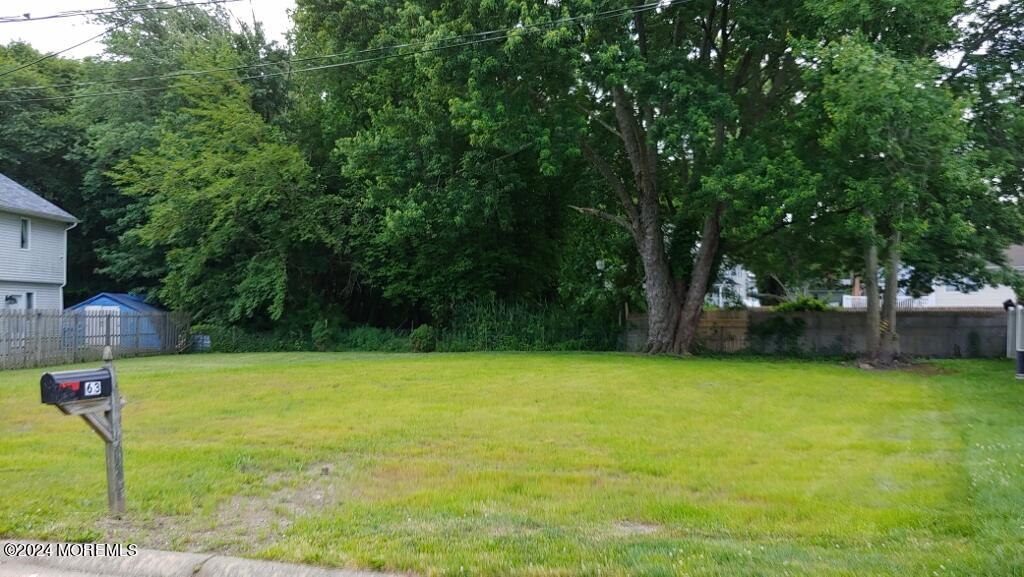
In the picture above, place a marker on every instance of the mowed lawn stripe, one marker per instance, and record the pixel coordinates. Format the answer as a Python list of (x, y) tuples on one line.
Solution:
[(539, 464)]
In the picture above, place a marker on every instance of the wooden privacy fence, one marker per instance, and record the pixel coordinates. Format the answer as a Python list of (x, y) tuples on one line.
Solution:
[(724, 331), (39, 338)]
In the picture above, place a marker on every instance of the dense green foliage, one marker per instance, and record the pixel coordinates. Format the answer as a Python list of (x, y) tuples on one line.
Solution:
[(801, 304), (475, 326), (599, 158), (503, 326), (236, 339), (227, 211)]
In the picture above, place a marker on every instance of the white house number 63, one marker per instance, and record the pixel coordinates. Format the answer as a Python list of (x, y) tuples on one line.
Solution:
[(92, 388)]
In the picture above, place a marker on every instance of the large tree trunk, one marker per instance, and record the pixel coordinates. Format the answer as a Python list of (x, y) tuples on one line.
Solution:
[(700, 278), (889, 347), (671, 317), (644, 219), (662, 303), (872, 326)]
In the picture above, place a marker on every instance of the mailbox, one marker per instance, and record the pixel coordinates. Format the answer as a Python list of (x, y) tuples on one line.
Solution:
[(69, 386), (93, 395)]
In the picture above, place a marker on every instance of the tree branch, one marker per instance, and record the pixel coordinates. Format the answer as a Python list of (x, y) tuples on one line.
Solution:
[(982, 33), (613, 179), (633, 138), (708, 26), (641, 33), (597, 117), (603, 216)]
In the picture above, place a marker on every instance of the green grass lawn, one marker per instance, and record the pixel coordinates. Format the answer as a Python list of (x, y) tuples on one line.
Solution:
[(540, 464)]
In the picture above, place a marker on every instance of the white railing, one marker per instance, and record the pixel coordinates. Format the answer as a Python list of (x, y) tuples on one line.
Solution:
[(902, 302)]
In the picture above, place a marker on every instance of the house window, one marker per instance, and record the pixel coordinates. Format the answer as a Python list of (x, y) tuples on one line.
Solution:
[(26, 228), (30, 301)]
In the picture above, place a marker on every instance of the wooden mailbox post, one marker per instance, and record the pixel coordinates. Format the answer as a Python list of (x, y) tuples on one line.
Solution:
[(92, 394)]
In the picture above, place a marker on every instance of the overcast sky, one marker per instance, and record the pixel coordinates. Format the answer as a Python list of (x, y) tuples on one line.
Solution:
[(59, 33)]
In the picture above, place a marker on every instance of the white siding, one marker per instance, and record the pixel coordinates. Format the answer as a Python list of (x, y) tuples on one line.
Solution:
[(987, 297), (47, 296), (42, 261)]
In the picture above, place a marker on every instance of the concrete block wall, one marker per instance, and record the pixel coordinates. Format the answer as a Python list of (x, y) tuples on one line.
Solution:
[(939, 333)]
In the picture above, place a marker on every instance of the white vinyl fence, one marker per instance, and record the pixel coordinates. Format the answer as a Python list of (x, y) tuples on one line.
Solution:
[(902, 302), (39, 338)]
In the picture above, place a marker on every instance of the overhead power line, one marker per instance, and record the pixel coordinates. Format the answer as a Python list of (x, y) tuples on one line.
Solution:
[(113, 10), (259, 76), (480, 37), (27, 17), (185, 73), (52, 54)]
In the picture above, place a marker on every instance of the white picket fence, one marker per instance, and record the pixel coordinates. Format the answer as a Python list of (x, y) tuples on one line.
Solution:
[(40, 338)]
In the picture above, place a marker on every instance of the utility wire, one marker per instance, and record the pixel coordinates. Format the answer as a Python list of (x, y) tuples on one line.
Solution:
[(107, 10), (52, 54), (499, 34), (259, 76), (105, 32), (596, 16)]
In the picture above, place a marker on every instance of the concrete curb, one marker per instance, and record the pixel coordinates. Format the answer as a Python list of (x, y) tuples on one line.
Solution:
[(152, 563), (218, 566)]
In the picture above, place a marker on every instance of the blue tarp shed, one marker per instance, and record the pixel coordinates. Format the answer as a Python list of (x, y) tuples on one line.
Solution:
[(130, 320)]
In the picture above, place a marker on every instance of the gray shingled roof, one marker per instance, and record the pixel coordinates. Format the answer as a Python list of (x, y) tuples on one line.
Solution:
[(16, 198)]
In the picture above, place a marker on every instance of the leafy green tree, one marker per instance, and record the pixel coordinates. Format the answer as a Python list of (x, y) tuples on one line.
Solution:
[(987, 69), (653, 100), (228, 205), (38, 147), (124, 117), (434, 216), (913, 169), (37, 134), (894, 150)]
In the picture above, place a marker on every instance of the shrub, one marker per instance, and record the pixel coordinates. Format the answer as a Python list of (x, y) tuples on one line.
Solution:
[(239, 340), (372, 339), (423, 339), (323, 335), (482, 326), (804, 303), (501, 326)]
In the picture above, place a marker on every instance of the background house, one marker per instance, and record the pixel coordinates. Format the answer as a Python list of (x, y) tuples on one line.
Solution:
[(33, 249), (736, 286), (948, 296)]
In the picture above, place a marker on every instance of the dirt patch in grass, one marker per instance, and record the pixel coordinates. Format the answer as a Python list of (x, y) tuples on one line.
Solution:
[(926, 369), (923, 368), (630, 528), (246, 522)]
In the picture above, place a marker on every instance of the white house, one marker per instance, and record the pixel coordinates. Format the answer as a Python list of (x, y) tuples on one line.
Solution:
[(735, 286), (33, 249), (948, 296), (989, 296)]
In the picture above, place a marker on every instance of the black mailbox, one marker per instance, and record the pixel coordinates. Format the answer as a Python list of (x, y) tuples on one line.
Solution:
[(68, 386)]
